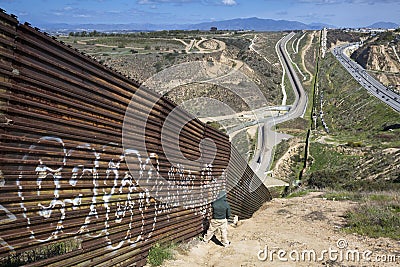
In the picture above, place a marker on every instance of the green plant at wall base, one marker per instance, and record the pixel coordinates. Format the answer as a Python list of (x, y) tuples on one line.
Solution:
[(159, 253)]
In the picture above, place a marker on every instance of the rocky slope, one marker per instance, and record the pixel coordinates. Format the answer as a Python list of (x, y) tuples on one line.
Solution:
[(378, 57), (381, 56)]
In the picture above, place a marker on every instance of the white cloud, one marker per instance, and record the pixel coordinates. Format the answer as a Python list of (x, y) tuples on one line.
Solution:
[(229, 2), (82, 16)]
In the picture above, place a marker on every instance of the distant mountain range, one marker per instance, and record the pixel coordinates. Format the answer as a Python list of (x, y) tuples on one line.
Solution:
[(384, 25), (255, 24), (258, 24)]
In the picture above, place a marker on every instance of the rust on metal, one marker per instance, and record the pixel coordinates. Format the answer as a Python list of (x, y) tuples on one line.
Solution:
[(71, 194)]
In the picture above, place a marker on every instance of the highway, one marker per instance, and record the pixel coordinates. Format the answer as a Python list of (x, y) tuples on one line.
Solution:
[(373, 86), (267, 138)]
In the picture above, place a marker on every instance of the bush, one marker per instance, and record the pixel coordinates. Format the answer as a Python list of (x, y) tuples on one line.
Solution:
[(333, 179), (354, 144), (158, 253)]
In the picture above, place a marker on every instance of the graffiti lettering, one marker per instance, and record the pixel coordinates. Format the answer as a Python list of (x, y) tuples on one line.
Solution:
[(99, 185)]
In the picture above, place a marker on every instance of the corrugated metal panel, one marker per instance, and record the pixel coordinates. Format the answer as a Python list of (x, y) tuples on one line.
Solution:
[(71, 192)]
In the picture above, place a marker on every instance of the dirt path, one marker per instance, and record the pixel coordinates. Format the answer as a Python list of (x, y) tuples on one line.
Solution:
[(303, 53), (293, 225), (251, 47)]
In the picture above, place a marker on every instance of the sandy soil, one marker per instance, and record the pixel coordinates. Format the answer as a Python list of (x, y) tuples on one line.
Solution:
[(293, 225)]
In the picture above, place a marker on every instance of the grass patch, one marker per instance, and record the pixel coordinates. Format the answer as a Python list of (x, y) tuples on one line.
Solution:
[(343, 195), (361, 196), (377, 215), (351, 168), (375, 219), (159, 253), (328, 158), (242, 144), (351, 113), (299, 193)]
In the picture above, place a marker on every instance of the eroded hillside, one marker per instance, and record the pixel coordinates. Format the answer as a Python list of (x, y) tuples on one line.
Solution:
[(361, 150), (141, 56), (380, 56)]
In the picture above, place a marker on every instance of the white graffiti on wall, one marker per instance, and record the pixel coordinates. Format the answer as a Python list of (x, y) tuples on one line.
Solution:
[(100, 186), (9, 218)]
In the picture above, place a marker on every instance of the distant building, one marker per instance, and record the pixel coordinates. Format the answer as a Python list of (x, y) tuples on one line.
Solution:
[(213, 29)]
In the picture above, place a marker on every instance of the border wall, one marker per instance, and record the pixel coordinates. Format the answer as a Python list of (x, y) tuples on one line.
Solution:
[(70, 193)]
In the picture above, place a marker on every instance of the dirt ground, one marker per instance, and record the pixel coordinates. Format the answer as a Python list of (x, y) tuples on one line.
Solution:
[(294, 228)]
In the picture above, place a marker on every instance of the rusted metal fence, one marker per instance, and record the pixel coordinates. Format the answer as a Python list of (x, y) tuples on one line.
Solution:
[(70, 193)]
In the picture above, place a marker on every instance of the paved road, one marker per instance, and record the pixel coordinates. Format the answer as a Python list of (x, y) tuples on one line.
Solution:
[(373, 86), (267, 138)]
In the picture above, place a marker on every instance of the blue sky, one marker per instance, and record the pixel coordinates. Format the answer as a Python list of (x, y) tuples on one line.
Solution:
[(341, 13)]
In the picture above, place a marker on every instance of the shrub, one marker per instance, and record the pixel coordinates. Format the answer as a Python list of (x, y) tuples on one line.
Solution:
[(160, 252), (333, 179), (354, 144)]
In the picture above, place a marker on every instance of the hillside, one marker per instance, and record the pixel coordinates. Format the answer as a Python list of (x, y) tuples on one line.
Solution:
[(166, 55), (336, 37), (141, 56), (298, 225), (361, 150), (357, 161), (354, 169), (380, 56)]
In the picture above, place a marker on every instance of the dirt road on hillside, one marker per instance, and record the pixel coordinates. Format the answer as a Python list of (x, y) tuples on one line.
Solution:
[(296, 226)]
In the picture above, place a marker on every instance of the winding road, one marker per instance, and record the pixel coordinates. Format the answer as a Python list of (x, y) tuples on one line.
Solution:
[(373, 86), (267, 138)]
